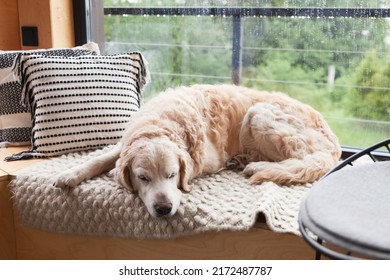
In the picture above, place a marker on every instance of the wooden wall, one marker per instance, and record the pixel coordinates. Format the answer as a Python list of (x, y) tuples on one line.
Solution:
[(54, 19), (9, 25)]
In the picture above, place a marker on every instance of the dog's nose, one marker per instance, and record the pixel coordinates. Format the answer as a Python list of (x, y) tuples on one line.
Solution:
[(163, 208)]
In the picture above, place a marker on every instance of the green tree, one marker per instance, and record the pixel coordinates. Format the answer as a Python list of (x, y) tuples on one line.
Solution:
[(370, 98)]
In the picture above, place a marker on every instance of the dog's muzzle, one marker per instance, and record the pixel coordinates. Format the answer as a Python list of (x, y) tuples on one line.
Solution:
[(162, 208)]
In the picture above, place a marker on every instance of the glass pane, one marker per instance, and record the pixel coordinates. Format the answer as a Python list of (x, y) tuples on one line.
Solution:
[(180, 50), (339, 65)]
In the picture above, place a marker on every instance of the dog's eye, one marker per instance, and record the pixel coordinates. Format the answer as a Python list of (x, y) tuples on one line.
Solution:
[(171, 175), (144, 178)]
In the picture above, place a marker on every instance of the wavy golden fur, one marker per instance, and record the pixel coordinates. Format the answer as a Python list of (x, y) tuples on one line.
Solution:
[(190, 131)]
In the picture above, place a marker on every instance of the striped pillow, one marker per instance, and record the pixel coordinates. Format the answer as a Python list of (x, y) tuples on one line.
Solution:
[(80, 103), (15, 119)]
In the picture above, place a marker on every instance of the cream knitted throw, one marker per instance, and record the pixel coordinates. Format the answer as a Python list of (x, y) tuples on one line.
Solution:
[(223, 201)]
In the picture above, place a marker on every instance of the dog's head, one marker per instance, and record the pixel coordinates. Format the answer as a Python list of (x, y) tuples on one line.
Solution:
[(154, 168)]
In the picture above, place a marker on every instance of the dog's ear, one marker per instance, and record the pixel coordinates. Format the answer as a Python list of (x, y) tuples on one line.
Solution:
[(122, 173), (185, 173)]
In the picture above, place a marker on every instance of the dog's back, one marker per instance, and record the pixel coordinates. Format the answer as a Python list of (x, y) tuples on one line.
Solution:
[(234, 121)]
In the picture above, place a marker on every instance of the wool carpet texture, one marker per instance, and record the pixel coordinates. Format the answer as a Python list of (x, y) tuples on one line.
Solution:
[(222, 201)]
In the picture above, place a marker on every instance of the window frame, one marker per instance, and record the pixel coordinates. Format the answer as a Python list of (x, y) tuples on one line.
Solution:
[(80, 21), (86, 15)]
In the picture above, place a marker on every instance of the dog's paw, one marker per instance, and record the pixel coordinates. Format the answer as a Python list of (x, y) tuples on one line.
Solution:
[(237, 163), (66, 179), (253, 168), (256, 172)]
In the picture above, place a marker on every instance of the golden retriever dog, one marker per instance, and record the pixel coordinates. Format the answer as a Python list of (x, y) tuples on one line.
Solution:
[(187, 132)]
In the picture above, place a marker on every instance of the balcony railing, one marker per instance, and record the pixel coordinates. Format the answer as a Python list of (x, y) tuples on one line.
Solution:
[(238, 13)]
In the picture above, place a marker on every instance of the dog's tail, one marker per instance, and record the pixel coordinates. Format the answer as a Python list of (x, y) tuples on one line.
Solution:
[(293, 170)]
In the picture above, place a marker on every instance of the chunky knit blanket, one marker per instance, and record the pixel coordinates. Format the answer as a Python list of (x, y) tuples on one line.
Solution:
[(222, 201)]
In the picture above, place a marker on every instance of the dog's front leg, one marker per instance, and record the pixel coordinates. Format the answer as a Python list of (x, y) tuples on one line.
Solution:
[(93, 167)]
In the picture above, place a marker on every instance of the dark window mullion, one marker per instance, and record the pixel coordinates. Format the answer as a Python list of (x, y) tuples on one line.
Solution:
[(80, 22)]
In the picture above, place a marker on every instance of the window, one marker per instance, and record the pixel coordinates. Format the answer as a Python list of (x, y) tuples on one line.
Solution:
[(331, 54)]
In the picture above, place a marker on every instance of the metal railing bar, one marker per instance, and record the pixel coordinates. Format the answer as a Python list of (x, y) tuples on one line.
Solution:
[(312, 12), (310, 50), (190, 75), (237, 49), (228, 47), (268, 81), (315, 84), (362, 121)]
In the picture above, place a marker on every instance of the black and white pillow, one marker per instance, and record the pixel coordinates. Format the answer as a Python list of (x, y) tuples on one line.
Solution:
[(15, 119), (80, 103)]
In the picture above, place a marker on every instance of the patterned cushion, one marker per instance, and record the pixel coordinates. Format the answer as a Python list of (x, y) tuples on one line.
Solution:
[(15, 119), (80, 103)]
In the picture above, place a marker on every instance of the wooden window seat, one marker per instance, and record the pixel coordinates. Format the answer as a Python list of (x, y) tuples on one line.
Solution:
[(21, 242)]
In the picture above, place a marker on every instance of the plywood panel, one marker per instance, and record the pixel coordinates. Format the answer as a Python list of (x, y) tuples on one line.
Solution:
[(36, 13), (258, 243), (62, 23), (9, 25), (54, 19), (7, 233)]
